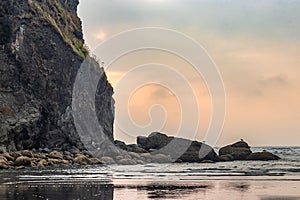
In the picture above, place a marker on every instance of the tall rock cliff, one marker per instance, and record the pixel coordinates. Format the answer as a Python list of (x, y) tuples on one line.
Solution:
[(41, 50)]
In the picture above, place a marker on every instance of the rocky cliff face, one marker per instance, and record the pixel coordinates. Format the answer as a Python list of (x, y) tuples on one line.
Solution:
[(41, 50)]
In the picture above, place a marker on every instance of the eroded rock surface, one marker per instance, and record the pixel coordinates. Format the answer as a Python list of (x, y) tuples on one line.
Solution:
[(41, 50)]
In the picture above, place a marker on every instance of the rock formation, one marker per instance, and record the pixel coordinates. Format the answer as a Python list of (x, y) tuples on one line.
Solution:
[(239, 151), (41, 50), (263, 156), (26, 158), (181, 150)]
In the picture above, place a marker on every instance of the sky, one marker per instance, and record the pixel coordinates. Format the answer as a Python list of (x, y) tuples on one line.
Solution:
[(254, 44)]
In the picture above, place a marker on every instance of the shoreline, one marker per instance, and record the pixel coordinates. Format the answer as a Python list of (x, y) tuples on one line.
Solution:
[(263, 189)]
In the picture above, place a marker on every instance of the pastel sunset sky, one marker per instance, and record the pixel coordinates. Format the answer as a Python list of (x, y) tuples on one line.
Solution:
[(255, 45)]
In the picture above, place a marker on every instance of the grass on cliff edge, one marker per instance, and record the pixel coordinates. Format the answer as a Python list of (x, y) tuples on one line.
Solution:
[(63, 21)]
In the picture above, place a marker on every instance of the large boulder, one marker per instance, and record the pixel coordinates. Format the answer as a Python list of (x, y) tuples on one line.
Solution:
[(239, 150), (179, 149), (263, 156), (155, 140), (197, 152)]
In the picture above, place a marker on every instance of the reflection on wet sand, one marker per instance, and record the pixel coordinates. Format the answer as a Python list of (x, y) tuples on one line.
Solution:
[(280, 198), (94, 191), (56, 192), (239, 186), (225, 189), (163, 191), (101, 186)]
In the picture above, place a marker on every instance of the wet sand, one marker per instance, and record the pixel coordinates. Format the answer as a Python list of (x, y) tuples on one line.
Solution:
[(133, 189), (278, 180)]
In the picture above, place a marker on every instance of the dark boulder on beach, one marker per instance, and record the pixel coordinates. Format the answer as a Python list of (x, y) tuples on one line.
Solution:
[(180, 149), (155, 140), (264, 156), (239, 150)]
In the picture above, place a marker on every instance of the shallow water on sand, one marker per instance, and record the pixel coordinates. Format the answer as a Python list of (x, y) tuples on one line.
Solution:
[(230, 180)]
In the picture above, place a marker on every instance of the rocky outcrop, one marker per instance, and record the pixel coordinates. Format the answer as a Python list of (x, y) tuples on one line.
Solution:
[(263, 156), (41, 50), (181, 150), (239, 151), (23, 159)]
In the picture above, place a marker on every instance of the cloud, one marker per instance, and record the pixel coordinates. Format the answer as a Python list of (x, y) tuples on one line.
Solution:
[(277, 80), (99, 36), (163, 93)]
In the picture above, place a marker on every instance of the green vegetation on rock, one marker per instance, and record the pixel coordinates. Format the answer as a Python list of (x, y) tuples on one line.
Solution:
[(62, 20)]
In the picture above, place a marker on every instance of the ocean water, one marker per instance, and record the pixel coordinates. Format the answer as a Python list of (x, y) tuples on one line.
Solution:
[(225, 180)]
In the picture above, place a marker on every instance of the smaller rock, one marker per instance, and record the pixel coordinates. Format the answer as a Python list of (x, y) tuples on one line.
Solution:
[(226, 158), (107, 160), (134, 155), (239, 150), (264, 156), (126, 162), (3, 160), (135, 148), (140, 162), (15, 154), (56, 155), (20, 167), (178, 161), (10, 163), (146, 156), (27, 153), (3, 163), (119, 157), (40, 156), (69, 158), (42, 163), (33, 164), (8, 156), (82, 160), (74, 150), (87, 154), (207, 161), (120, 144), (23, 160), (95, 161), (3, 166)]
